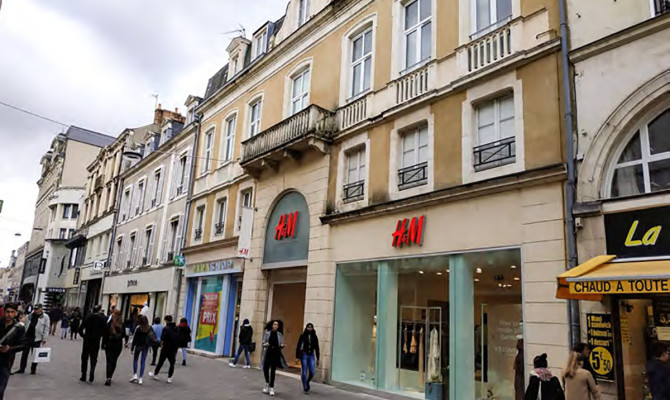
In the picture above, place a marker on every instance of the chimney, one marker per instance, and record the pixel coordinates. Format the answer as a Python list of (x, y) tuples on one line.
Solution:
[(158, 115)]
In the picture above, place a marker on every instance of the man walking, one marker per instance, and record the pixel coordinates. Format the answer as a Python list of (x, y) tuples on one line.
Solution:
[(169, 347), (12, 335), (37, 330), (92, 330), (55, 315)]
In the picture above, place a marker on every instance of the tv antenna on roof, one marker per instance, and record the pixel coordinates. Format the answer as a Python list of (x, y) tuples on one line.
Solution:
[(240, 31)]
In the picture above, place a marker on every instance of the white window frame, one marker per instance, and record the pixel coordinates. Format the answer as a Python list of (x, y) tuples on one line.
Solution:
[(494, 20), (208, 142), (119, 243), (157, 186), (356, 143), (416, 146), (229, 129), (132, 249), (219, 217), (243, 189), (496, 117), (199, 221), (149, 246), (352, 93), (346, 79), (260, 43), (418, 29), (302, 97), (303, 12), (254, 125)]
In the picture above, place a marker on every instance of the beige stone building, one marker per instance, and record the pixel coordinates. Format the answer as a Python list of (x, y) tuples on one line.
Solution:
[(403, 161), (620, 52), (150, 217)]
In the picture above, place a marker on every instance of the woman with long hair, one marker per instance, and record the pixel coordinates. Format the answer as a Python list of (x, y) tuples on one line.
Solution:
[(578, 382), (140, 347), (272, 357), (308, 353), (184, 332), (112, 343)]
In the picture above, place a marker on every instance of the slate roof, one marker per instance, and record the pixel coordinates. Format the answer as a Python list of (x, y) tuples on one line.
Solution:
[(89, 137)]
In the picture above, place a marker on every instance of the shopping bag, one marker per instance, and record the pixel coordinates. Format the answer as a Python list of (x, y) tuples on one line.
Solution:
[(43, 355)]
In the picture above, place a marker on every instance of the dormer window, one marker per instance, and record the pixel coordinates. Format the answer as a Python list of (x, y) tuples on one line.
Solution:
[(260, 43), (234, 65), (303, 12)]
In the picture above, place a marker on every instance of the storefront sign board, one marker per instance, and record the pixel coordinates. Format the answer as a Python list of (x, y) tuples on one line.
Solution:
[(638, 233), (626, 286), (408, 232), (601, 341), (228, 266), (287, 233)]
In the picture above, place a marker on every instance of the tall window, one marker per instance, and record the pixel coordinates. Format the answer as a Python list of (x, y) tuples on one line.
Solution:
[(66, 211), (260, 41), (300, 91), (200, 222), (417, 32), (220, 216), (235, 66), (182, 174), (75, 211), (158, 188), (361, 62), (414, 159), (140, 200), (255, 111), (174, 235), (119, 256), (246, 197), (355, 175), (209, 144), (133, 250), (149, 240), (62, 234), (491, 12), (303, 12), (229, 144), (125, 204), (495, 120), (644, 164)]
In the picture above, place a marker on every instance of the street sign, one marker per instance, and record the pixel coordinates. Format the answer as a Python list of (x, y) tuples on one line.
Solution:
[(179, 260)]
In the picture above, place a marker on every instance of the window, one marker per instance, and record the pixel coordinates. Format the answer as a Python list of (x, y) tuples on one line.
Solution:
[(355, 175), (118, 258), (70, 233), (140, 199), (66, 211), (417, 32), (303, 12), (209, 144), (133, 250), (220, 216), (182, 175), (174, 237), (361, 62), (300, 91), (414, 159), (108, 203), (229, 144), (495, 133), (149, 251), (260, 41), (62, 234), (490, 12), (644, 163), (255, 111), (200, 222), (125, 205), (75, 211), (52, 209), (157, 188), (234, 66), (246, 197)]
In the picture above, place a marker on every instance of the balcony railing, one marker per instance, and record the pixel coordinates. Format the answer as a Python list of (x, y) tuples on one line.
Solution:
[(662, 6), (494, 154), (490, 48), (313, 120), (218, 228), (412, 85), (354, 191), (198, 234), (352, 113), (415, 175)]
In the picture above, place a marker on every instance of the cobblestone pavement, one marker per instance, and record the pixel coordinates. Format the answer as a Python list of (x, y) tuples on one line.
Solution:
[(202, 379)]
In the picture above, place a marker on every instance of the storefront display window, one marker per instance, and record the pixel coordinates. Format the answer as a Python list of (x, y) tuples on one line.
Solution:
[(208, 317)]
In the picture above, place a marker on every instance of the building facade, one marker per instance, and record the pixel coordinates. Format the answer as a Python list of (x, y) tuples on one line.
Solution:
[(150, 218), (622, 186), (14, 273), (403, 162), (61, 188)]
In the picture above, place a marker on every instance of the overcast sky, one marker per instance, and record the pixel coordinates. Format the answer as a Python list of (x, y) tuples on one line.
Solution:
[(95, 64)]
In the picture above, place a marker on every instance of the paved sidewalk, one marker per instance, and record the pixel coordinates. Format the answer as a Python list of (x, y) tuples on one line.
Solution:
[(202, 379)]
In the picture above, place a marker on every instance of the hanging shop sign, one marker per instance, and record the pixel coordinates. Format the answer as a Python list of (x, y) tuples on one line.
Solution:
[(626, 286), (228, 266), (638, 233), (409, 232), (55, 290), (179, 260), (287, 233), (601, 341)]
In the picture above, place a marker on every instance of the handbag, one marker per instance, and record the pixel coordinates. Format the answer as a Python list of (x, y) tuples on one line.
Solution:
[(42, 355), (252, 347)]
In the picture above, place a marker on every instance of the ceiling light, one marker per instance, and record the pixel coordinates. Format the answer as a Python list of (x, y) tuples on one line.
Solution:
[(513, 266), (500, 285), (439, 273), (421, 272), (478, 270), (448, 271), (476, 279), (516, 278)]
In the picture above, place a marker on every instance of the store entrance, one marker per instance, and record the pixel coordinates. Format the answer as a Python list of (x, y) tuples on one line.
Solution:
[(288, 305)]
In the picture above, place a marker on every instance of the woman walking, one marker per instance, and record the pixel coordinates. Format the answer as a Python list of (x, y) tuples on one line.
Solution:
[(112, 343), (578, 382), (140, 347), (272, 357), (244, 343), (308, 353), (184, 338), (75, 322)]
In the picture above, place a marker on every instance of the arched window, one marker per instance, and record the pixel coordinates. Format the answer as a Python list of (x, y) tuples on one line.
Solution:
[(643, 164)]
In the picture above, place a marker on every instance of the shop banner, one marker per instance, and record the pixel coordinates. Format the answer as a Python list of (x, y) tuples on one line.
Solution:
[(601, 340), (626, 286), (638, 233), (244, 240), (208, 321)]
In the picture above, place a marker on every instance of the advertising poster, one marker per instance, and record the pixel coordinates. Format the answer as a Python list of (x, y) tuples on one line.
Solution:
[(208, 318), (662, 319), (601, 340)]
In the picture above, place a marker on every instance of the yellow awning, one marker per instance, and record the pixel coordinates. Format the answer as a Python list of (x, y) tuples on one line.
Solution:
[(604, 275)]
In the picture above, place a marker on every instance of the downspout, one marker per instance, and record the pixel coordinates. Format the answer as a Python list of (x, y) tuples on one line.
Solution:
[(573, 305), (187, 210)]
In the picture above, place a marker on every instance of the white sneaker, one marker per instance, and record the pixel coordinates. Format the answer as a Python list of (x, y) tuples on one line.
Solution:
[(272, 392), (247, 366), (232, 365), (134, 378), (266, 388), (169, 380), (153, 376), (139, 382)]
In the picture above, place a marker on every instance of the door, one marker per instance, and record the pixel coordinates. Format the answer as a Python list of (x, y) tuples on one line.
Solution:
[(288, 305)]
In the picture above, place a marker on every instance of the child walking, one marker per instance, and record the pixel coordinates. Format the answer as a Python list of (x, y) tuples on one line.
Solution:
[(64, 324)]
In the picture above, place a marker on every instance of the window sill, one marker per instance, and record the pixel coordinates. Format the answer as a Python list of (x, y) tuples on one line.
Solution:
[(412, 185), (358, 96), (494, 26), (416, 66), (494, 164)]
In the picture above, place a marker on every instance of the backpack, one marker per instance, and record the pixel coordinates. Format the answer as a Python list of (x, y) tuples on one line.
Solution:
[(544, 390)]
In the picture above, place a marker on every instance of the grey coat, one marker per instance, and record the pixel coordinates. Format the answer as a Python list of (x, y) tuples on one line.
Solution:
[(42, 327), (266, 339)]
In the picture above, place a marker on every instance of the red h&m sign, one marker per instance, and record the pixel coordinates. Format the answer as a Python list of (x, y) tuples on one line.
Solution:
[(286, 226), (409, 232)]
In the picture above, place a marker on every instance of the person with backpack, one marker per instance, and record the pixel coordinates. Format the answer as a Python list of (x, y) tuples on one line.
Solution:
[(169, 346), (543, 385), (658, 372), (143, 337), (158, 330), (308, 353), (184, 338), (579, 383), (113, 342), (245, 338)]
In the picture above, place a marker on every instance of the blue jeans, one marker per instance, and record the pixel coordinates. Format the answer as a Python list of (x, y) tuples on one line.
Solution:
[(239, 351), (183, 353), (140, 351), (308, 364)]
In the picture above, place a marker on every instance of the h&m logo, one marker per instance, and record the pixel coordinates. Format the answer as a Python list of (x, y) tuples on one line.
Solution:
[(408, 232), (286, 226), (648, 239)]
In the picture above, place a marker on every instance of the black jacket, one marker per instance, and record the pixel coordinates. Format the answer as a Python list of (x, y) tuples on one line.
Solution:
[(114, 336), (308, 344), (658, 375), (170, 337), (550, 390), (184, 335), (246, 334), (14, 341), (141, 339), (94, 327)]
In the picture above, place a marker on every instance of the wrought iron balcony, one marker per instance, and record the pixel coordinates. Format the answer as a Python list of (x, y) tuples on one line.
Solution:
[(662, 6), (198, 234), (415, 175), (311, 127), (354, 191), (494, 154), (218, 228)]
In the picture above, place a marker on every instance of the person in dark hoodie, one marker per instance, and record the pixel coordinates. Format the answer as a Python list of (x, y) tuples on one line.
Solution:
[(308, 353), (184, 338), (543, 385), (169, 346), (12, 332), (112, 343), (92, 330), (246, 335), (658, 373)]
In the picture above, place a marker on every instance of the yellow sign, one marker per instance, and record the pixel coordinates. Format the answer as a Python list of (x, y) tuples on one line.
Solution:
[(601, 361), (628, 286)]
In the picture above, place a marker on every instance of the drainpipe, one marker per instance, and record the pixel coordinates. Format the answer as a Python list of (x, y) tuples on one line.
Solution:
[(573, 305), (187, 210)]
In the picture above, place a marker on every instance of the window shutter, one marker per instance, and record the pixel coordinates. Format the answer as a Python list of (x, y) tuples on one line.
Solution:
[(180, 229), (140, 253), (159, 193), (165, 250), (187, 173), (150, 193), (150, 251), (133, 252), (173, 186)]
